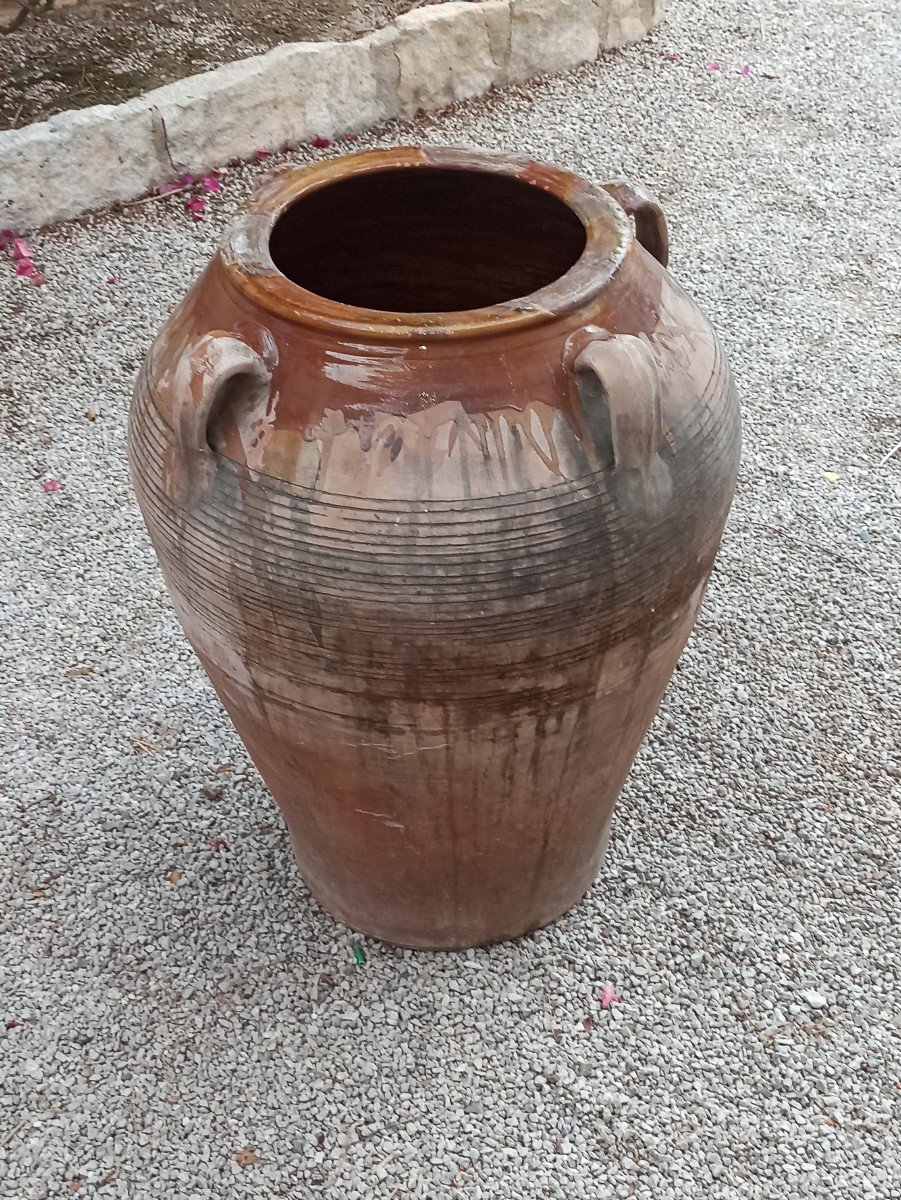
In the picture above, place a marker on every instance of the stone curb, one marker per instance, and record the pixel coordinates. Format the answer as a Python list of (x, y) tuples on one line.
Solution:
[(425, 59)]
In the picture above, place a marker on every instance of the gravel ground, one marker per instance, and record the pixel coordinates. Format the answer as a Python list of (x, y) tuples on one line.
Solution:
[(186, 1022), (107, 51)]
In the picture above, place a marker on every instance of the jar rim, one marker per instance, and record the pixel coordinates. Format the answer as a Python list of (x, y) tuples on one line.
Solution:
[(246, 255)]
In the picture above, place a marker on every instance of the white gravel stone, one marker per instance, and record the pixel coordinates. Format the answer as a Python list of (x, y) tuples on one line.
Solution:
[(167, 1008), (813, 998)]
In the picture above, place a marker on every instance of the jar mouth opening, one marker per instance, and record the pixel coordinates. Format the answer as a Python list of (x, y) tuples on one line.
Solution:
[(425, 242)]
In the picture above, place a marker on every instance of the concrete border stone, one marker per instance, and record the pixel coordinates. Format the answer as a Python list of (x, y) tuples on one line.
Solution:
[(548, 37), (444, 53), (425, 59)]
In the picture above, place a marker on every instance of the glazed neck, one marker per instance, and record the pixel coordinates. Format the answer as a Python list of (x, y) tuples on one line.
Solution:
[(247, 250)]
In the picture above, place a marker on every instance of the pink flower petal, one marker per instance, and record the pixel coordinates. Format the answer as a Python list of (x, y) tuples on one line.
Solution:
[(321, 142), (350, 137), (217, 844), (112, 279), (6, 236), (743, 71), (187, 179), (21, 249), (24, 267), (38, 279), (714, 66), (211, 184), (673, 58), (169, 187), (52, 485), (259, 155), (608, 996), (196, 206)]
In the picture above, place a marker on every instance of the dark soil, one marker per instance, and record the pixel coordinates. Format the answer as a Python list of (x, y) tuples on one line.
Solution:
[(107, 51)]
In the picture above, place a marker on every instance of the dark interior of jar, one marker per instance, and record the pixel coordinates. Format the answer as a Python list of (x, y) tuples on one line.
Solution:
[(423, 239)]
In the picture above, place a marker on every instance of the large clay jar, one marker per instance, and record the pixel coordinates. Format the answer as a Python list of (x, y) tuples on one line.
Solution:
[(436, 458)]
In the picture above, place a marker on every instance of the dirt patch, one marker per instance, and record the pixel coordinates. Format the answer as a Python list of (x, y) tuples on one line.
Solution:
[(108, 51)]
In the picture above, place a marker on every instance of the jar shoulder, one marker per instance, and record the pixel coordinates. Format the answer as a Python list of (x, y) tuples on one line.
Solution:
[(440, 420)]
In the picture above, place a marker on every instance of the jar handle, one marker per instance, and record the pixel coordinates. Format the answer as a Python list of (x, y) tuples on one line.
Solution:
[(650, 223), (626, 370), (218, 370)]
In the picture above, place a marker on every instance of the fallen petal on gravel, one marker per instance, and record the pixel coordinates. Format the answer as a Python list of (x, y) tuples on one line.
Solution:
[(608, 996)]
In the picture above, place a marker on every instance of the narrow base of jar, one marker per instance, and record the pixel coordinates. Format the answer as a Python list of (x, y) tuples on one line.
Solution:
[(368, 926)]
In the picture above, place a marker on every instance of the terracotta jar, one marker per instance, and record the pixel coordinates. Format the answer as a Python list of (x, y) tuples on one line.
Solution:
[(436, 458)]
